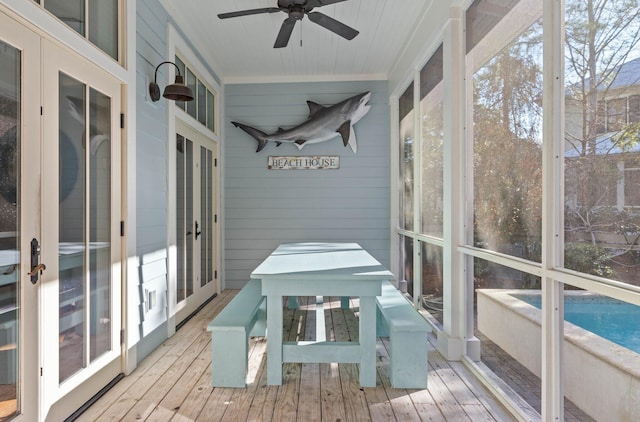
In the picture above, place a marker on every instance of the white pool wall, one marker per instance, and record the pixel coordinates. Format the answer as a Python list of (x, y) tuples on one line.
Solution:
[(600, 377)]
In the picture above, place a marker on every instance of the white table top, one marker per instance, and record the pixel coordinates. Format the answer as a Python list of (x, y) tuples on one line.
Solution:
[(343, 261)]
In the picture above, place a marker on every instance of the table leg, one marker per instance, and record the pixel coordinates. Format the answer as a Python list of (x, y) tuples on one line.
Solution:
[(274, 340), (367, 341)]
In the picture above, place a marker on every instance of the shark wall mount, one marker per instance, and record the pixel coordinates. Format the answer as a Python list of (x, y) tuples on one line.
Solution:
[(323, 124)]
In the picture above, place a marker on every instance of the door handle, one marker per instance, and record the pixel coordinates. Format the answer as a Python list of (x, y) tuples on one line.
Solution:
[(198, 233), (36, 266)]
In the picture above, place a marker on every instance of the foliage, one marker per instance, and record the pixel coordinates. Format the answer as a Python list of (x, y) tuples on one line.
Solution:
[(587, 258)]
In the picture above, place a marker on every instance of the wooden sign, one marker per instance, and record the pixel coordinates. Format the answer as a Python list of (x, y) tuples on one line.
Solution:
[(324, 162)]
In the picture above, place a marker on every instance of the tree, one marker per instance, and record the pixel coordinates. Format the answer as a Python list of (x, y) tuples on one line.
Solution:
[(602, 37)]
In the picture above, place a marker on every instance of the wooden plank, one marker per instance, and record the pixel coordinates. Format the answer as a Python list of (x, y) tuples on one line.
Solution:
[(286, 402), (262, 407), (331, 391), (217, 404), (196, 399), (309, 401), (355, 403)]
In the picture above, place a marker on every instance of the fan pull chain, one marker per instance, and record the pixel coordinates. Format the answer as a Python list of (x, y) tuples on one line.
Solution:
[(300, 33)]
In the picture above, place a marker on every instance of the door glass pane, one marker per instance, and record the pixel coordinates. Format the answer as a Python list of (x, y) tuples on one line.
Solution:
[(100, 223), (181, 68), (103, 25), (72, 224), (180, 228), (432, 142), (190, 80), (209, 214), (9, 241), (189, 223), (210, 110), (204, 188), (102, 16), (406, 159), (206, 212), (70, 12), (184, 218), (202, 103)]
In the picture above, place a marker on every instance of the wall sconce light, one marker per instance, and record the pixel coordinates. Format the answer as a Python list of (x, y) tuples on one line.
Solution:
[(177, 91)]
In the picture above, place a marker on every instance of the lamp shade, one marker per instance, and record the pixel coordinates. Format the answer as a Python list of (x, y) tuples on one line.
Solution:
[(178, 91)]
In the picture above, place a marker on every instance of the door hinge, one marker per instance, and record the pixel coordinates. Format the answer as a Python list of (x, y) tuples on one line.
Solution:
[(215, 162), (215, 218), (121, 337), (41, 371), (215, 274), (41, 112), (122, 228), (121, 120)]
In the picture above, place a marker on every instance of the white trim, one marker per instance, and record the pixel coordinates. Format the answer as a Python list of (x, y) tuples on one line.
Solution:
[(552, 294), (129, 196), (394, 169)]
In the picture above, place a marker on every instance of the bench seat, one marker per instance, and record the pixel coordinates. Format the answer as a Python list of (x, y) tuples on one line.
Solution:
[(407, 330), (243, 317)]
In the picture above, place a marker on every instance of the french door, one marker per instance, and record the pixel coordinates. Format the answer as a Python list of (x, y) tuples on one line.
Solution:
[(20, 185), (196, 216), (81, 290), (60, 276)]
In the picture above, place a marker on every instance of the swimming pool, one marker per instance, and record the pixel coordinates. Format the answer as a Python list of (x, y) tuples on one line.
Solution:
[(609, 318)]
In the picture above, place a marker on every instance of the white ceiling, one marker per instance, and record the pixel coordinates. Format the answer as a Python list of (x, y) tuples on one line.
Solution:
[(241, 49)]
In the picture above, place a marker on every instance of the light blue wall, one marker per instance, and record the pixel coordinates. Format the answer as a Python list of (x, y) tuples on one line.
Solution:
[(264, 208)]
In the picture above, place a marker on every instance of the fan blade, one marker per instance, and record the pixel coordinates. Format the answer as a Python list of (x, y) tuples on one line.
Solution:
[(248, 12), (319, 3), (333, 25), (285, 33)]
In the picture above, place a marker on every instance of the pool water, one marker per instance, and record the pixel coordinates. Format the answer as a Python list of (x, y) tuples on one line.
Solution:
[(612, 319)]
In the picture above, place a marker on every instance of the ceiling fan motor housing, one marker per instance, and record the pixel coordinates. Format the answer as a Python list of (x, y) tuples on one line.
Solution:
[(296, 12)]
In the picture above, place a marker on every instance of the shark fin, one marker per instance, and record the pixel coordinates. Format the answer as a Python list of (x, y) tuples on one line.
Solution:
[(345, 132), (258, 135), (314, 108), (280, 130), (300, 143)]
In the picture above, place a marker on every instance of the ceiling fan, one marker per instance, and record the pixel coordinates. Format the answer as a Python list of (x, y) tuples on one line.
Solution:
[(296, 9)]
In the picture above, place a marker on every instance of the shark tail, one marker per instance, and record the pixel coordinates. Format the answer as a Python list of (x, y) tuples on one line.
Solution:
[(258, 135)]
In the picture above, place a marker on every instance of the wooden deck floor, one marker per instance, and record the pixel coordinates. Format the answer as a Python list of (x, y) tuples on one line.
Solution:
[(174, 382)]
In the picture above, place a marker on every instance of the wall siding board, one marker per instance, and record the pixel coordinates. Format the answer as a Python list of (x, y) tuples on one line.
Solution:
[(264, 208)]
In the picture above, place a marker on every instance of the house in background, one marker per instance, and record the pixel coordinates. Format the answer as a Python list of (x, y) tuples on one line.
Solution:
[(122, 215)]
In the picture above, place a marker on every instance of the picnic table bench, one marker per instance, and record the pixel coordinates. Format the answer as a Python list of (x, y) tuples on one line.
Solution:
[(243, 317), (407, 330)]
